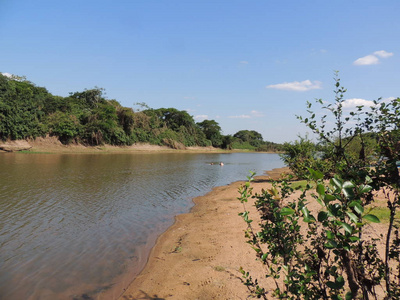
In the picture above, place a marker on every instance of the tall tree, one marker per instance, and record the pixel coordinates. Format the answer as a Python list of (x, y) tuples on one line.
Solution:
[(253, 137), (212, 130)]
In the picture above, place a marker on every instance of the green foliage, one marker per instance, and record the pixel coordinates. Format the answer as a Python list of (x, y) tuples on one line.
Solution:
[(238, 144), (303, 154), (253, 141), (88, 117), (324, 253), (20, 109), (325, 262), (253, 137), (67, 127), (227, 142), (267, 146), (212, 131)]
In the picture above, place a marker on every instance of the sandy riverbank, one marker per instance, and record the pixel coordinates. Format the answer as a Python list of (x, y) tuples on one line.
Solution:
[(200, 255), (53, 145)]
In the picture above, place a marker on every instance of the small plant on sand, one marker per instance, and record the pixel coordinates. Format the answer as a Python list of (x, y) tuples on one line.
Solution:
[(319, 253), (313, 241)]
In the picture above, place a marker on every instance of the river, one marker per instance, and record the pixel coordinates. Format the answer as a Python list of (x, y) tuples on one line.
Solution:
[(77, 226)]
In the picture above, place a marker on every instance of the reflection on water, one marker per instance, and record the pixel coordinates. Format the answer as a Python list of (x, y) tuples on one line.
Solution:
[(80, 226)]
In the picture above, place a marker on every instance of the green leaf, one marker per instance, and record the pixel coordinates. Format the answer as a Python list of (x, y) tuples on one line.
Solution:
[(328, 198), (322, 216), (335, 209), (264, 256), (348, 191), (349, 296), (372, 218), (352, 216), (340, 281), (338, 284), (309, 219), (348, 185), (315, 174), (330, 235), (305, 212), (354, 239), (347, 227), (368, 179), (286, 211), (357, 207), (331, 244), (320, 189), (336, 182), (364, 188)]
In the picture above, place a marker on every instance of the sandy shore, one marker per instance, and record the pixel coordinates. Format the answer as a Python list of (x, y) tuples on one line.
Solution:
[(200, 255), (53, 145)]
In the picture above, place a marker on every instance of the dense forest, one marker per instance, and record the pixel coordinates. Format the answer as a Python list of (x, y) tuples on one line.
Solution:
[(29, 111)]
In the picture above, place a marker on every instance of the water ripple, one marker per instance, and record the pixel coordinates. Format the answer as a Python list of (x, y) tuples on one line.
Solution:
[(74, 224)]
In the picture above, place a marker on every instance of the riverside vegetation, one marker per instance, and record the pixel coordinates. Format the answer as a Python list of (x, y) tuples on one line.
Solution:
[(29, 111), (314, 242)]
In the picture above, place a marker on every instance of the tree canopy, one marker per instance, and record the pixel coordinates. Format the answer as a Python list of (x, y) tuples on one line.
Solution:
[(88, 117)]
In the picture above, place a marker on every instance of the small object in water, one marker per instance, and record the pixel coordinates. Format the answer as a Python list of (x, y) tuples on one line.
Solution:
[(211, 163), (221, 163)]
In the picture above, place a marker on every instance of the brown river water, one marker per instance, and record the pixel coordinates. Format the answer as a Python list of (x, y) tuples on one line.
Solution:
[(80, 226)]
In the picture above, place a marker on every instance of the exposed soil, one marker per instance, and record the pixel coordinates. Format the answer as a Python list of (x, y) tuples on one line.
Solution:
[(199, 257), (53, 145)]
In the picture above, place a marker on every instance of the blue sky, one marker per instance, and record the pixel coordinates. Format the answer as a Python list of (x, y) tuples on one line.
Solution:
[(246, 64)]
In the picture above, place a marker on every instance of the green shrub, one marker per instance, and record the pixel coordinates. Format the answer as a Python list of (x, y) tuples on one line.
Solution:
[(331, 258)]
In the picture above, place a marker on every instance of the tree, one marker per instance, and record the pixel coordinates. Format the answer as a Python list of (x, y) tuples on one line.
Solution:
[(303, 154), (212, 130), (253, 137), (227, 142), (91, 98), (66, 126), (21, 105)]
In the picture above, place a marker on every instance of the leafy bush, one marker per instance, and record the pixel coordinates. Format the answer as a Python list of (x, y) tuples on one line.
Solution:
[(324, 254), (66, 127), (303, 154), (333, 260)]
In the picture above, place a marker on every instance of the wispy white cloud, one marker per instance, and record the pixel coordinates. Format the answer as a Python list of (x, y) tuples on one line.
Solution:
[(366, 60), (297, 86), (372, 59), (383, 53), (253, 114), (240, 117), (189, 110), (7, 75), (201, 117), (388, 99), (354, 102), (257, 114)]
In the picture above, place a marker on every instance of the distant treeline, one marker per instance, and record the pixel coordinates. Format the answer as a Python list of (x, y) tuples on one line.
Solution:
[(29, 111)]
